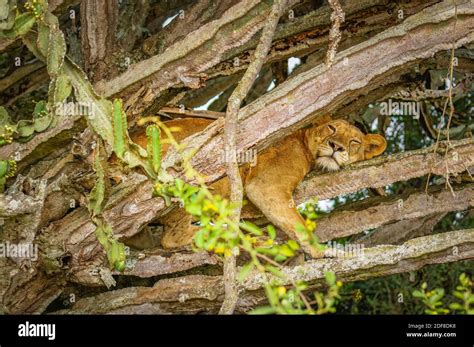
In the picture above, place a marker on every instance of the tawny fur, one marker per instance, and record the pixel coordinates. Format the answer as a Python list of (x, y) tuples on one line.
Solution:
[(269, 185)]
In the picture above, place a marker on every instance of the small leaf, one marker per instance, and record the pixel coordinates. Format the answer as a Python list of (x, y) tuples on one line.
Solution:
[(42, 41), (97, 195), (245, 270), (293, 245), (41, 124), (3, 168), (23, 23), (418, 294), (330, 277), (271, 231), (25, 128), (251, 228), (275, 271), (7, 14)]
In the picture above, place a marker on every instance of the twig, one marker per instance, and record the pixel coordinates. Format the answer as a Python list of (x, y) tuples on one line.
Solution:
[(449, 99), (230, 130), (337, 18), (288, 278)]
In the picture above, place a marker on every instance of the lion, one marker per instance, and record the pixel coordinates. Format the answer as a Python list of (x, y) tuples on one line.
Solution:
[(269, 185)]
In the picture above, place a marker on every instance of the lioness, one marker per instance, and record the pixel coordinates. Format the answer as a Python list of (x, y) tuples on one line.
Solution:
[(269, 185)]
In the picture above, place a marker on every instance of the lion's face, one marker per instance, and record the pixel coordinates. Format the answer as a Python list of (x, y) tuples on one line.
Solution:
[(338, 143)]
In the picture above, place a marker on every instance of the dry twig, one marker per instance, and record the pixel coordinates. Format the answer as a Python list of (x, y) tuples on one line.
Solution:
[(337, 18), (230, 131)]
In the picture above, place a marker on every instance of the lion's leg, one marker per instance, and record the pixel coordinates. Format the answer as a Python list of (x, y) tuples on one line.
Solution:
[(178, 230), (281, 211), (270, 188)]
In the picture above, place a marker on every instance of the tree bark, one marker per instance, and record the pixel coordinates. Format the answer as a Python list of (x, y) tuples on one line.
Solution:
[(195, 294)]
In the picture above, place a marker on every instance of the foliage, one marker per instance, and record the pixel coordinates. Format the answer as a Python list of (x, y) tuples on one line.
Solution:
[(432, 299), (114, 249), (219, 234)]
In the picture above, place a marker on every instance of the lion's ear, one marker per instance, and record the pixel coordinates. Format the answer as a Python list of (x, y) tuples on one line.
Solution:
[(374, 145), (322, 120)]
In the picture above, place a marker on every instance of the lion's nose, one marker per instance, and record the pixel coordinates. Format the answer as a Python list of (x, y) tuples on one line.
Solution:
[(335, 147)]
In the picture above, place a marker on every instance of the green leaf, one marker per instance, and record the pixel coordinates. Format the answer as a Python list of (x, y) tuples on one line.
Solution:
[(293, 245), (251, 228), (244, 271), (7, 14), (330, 277), (438, 293), (275, 271), (42, 42), (97, 195), (23, 23), (271, 295), (418, 294), (271, 231), (199, 239), (41, 124), (3, 168), (194, 209), (25, 128), (458, 295), (286, 251)]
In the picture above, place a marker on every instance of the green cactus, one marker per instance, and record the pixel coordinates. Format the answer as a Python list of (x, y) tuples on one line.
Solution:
[(37, 8), (120, 129), (114, 249), (23, 23), (7, 170), (97, 200), (154, 147)]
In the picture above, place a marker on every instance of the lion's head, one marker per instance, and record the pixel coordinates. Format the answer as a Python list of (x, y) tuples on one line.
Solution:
[(338, 143)]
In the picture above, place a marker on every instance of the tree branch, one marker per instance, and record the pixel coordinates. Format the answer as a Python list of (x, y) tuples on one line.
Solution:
[(230, 149), (193, 294)]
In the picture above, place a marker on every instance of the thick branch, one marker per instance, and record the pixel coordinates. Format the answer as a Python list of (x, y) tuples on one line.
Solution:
[(376, 212), (319, 91), (192, 294), (98, 36), (130, 208), (187, 58), (382, 171)]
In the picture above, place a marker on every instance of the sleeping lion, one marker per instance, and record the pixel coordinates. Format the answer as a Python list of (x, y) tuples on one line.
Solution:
[(269, 185)]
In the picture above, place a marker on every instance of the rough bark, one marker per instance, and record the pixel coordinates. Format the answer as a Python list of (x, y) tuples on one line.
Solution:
[(131, 208), (389, 169), (98, 36), (320, 91), (230, 131), (373, 213), (193, 294), (185, 61)]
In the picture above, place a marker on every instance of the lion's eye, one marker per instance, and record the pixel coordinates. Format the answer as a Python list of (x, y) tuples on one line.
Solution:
[(332, 128), (354, 143)]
